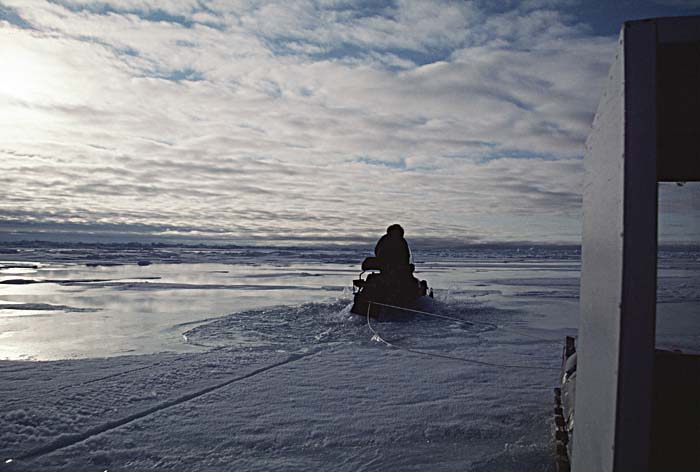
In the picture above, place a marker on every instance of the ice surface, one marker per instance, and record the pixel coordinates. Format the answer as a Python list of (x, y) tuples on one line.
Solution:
[(250, 364), (329, 397)]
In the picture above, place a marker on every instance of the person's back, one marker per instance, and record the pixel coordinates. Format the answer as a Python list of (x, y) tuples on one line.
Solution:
[(392, 250)]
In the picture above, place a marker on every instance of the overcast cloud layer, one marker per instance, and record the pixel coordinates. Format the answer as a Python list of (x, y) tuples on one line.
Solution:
[(306, 119)]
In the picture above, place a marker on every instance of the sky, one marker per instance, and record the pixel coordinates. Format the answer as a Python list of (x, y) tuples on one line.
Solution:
[(304, 121)]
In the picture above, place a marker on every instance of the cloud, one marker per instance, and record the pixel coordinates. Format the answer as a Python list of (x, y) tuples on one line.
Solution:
[(281, 119)]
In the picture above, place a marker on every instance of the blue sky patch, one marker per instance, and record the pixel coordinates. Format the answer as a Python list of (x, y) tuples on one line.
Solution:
[(11, 15)]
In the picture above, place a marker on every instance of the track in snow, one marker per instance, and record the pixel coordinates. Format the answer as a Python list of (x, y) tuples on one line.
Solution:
[(72, 439)]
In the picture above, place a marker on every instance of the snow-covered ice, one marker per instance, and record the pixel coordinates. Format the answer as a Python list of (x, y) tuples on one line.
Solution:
[(253, 362)]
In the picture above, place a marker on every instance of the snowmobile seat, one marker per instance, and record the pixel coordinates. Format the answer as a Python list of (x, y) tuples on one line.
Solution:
[(371, 263), (359, 283)]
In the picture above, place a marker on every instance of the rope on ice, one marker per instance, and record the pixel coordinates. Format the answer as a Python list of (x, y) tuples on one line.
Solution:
[(379, 337), (468, 323)]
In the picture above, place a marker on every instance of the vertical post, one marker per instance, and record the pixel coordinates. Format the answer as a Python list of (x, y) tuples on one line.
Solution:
[(638, 313), (618, 272)]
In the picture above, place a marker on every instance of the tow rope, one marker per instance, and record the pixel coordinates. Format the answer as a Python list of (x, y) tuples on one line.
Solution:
[(378, 337)]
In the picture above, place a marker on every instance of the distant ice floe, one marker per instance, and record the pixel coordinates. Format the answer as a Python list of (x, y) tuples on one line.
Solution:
[(19, 281), (45, 307), (676, 289)]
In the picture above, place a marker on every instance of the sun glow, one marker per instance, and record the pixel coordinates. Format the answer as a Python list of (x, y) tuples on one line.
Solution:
[(22, 76), (24, 83), (34, 76)]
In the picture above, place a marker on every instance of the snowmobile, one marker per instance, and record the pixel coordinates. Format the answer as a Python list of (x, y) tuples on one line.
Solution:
[(389, 293)]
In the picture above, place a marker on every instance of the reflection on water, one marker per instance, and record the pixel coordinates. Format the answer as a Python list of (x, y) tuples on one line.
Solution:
[(62, 309), (70, 310)]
